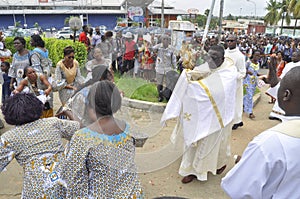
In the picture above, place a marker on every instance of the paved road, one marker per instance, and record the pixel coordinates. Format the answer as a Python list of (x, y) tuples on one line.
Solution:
[(164, 182)]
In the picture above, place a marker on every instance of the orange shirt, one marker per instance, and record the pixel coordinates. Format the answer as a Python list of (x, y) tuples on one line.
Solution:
[(280, 68)]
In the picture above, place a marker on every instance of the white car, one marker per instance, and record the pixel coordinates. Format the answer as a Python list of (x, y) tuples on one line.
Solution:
[(64, 34)]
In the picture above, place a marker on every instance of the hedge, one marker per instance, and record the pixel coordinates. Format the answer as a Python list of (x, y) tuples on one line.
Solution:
[(55, 48)]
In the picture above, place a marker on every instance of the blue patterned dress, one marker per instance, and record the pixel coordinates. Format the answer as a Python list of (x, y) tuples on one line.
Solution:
[(250, 83), (101, 166)]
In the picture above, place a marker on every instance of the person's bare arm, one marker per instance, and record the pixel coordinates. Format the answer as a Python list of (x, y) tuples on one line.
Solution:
[(272, 78), (11, 85), (45, 81), (68, 113), (21, 86)]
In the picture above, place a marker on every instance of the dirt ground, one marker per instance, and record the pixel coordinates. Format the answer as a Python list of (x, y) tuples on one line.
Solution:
[(166, 181)]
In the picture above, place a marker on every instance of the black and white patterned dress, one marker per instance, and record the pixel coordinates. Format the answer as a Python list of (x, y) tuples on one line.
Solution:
[(101, 166), (38, 148)]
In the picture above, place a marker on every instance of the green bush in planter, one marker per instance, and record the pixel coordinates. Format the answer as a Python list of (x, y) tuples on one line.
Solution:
[(55, 48)]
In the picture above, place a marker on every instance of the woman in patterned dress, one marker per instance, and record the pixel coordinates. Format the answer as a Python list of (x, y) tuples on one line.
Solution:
[(37, 84), (99, 73), (68, 69), (36, 144), (250, 83), (100, 162), (19, 62), (98, 60)]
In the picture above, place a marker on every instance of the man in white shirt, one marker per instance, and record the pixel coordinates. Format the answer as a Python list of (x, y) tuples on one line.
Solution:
[(270, 165), (238, 58), (277, 112)]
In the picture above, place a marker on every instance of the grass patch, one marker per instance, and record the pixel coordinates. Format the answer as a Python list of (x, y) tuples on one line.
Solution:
[(140, 89), (137, 88), (147, 92)]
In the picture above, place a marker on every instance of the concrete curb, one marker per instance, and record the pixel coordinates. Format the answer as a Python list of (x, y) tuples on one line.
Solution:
[(159, 107), (256, 99)]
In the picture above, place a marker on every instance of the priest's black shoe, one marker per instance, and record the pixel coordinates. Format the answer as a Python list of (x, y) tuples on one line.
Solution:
[(235, 126), (160, 99)]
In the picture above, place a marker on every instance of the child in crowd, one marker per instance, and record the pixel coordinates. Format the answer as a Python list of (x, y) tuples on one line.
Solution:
[(5, 53), (250, 82), (6, 81)]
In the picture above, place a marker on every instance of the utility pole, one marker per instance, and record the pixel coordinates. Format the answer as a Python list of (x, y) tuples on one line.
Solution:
[(162, 14), (254, 7), (208, 21), (220, 19)]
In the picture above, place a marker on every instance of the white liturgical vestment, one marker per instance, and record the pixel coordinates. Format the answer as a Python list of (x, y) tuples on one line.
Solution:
[(269, 167), (204, 101), (204, 106), (239, 62)]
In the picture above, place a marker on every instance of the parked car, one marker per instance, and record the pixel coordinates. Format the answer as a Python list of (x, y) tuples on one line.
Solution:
[(64, 34), (53, 30)]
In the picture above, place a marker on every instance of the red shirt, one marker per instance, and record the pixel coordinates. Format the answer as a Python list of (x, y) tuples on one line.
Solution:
[(130, 49), (84, 39), (149, 59)]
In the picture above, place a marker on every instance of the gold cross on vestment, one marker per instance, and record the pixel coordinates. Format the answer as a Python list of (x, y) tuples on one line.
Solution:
[(187, 116)]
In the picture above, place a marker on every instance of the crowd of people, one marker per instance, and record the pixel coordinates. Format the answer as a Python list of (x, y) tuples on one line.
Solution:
[(208, 103), (208, 87), (36, 141)]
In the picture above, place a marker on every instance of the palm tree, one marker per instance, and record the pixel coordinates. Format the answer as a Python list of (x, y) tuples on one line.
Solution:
[(18, 24), (206, 12), (67, 19), (36, 25), (284, 13), (272, 15), (294, 8)]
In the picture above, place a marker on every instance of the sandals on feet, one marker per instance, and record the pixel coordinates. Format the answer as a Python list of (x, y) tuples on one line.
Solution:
[(251, 116)]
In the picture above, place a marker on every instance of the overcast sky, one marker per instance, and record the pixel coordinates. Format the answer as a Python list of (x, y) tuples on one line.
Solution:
[(234, 7)]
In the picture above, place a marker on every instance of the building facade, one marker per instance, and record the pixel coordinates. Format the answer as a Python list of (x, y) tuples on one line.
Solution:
[(52, 13)]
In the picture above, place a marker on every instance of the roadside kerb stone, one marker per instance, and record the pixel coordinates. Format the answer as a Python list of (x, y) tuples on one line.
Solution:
[(159, 107)]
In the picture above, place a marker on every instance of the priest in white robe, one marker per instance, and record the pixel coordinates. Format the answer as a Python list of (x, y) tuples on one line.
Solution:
[(270, 165), (203, 100), (238, 58)]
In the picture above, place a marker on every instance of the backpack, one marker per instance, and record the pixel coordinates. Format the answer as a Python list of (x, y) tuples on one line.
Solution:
[(45, 64)]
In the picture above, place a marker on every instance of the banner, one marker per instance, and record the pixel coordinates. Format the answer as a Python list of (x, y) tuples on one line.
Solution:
[(135, 11)]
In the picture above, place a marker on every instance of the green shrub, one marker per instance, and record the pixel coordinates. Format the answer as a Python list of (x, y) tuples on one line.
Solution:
[(55, 48)]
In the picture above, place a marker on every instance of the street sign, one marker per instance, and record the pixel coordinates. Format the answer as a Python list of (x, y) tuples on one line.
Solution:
[(138, 18)]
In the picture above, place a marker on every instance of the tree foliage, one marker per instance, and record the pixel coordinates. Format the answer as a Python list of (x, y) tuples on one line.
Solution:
[(272, 15), (36, 25), (280, 11), (294, 9)]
